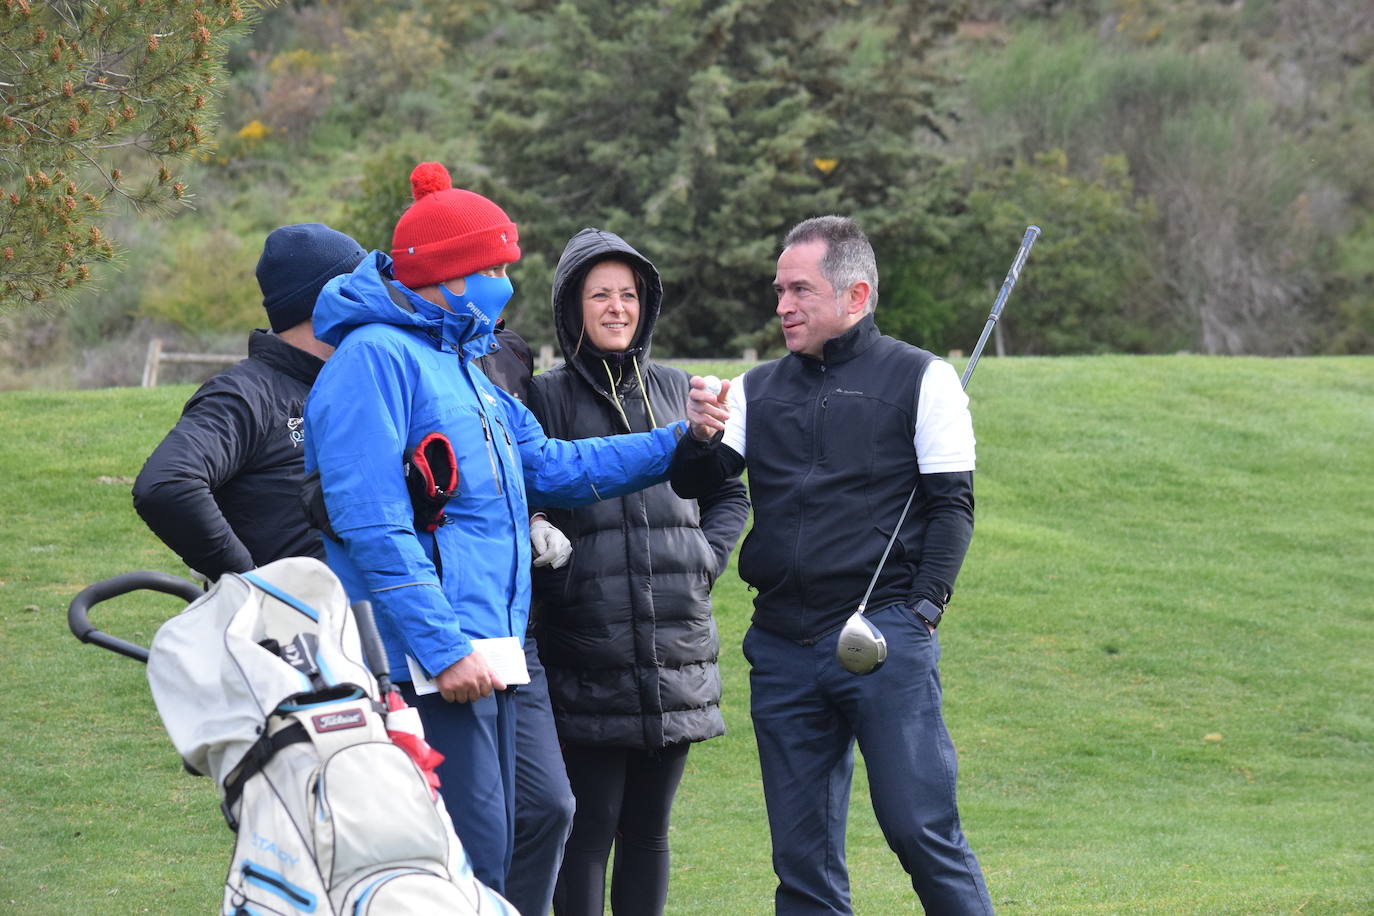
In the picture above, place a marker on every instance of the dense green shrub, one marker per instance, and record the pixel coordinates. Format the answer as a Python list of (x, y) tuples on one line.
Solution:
[(206, 283), (701, 129), (1350, 327), (1226, 177), (1087, 287)]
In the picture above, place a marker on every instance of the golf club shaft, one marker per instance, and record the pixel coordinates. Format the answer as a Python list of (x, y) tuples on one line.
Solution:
[(374, 652), (1032, 233)]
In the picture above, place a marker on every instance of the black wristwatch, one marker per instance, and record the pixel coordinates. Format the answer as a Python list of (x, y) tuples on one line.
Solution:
[(929, 611)]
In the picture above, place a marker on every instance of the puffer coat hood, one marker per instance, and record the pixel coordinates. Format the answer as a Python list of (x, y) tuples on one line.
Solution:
[(583, 252)]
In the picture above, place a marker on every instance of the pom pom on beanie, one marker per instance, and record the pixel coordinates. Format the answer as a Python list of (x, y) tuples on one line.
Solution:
[(449, 232), (296, 262), (429, 177)]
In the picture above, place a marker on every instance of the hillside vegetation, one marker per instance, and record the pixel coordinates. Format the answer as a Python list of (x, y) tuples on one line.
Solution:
[(1198, 169), (1156, 665)]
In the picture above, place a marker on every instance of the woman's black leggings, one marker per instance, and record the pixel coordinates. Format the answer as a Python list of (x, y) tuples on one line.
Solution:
[(624, 796)]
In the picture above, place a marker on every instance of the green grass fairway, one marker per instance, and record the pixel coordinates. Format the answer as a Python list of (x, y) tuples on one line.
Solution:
[(1157, 666)]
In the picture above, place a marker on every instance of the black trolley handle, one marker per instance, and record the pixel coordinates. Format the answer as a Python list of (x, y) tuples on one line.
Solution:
[(78, 612)]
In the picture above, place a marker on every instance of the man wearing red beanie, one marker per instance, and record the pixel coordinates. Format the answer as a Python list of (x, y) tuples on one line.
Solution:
[(408, 329)]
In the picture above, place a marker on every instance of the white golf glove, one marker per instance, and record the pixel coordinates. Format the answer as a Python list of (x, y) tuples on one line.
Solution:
[(551, 546)]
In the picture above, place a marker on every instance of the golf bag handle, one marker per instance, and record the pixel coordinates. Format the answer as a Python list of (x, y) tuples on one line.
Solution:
[(144, 580)]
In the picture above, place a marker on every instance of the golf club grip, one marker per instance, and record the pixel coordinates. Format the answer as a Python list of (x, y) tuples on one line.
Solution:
[(373, 649), (78, 612), (1014, 274), (1008, 284)]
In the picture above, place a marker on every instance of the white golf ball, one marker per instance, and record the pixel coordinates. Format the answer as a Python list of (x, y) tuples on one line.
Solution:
[(712, 384)]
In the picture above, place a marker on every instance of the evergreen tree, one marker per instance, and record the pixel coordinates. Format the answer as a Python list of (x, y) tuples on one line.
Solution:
[(701, 130), (86, 88)]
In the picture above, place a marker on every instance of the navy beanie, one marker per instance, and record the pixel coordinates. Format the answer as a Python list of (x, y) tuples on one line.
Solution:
[(297, 261)]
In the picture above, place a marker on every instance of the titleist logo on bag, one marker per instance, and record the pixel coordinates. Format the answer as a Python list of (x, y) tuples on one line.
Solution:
[(334, 721)]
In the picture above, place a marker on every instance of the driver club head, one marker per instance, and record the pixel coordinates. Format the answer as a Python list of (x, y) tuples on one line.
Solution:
[(862, 648)]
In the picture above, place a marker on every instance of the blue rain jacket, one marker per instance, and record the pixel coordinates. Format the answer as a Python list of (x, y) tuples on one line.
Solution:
[(404, 368)]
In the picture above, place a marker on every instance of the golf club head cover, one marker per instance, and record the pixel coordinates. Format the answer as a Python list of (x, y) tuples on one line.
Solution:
[(404, 729), (432, 478)]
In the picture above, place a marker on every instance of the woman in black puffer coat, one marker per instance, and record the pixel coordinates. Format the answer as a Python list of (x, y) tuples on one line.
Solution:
[(625, 628)]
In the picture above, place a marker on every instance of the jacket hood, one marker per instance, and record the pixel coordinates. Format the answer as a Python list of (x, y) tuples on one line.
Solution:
[(583, 252), (369, 295)]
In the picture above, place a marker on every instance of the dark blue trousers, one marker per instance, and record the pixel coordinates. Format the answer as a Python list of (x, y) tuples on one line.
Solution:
[(477, 777), (808, 712), (543, 798)]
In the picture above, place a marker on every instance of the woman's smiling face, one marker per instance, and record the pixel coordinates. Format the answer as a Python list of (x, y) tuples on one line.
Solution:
[(610, 306)]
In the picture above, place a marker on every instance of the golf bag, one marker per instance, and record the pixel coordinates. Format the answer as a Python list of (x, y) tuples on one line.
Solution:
[(261, 685)]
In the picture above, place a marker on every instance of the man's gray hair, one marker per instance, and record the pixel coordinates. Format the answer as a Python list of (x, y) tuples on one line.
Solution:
[(848, 256)]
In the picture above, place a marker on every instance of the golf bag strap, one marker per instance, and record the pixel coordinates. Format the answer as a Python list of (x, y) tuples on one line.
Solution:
[(253, 762)]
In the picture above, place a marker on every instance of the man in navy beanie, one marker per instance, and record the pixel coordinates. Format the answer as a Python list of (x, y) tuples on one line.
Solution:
[(223, 487)]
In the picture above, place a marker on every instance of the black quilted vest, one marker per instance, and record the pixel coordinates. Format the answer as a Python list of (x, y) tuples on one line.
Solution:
[(831, 462)]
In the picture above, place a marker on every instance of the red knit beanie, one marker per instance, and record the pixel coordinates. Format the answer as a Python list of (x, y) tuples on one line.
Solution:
[(449, 232)]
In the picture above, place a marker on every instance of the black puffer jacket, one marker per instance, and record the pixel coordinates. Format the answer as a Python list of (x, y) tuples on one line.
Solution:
[(223, 487), (625, 629)]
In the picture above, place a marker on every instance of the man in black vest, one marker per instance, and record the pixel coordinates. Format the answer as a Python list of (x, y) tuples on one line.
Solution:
[(835, 435)]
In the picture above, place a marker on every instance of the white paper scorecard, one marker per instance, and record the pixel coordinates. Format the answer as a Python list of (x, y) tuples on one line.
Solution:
[(504, 654)]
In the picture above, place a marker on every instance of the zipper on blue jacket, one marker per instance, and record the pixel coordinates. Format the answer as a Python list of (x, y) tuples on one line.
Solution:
[(496, 477), (505, 433), (491, 450), (510, 459)]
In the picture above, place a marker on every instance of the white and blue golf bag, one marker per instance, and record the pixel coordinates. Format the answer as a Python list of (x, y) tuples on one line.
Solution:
[(262, 686)]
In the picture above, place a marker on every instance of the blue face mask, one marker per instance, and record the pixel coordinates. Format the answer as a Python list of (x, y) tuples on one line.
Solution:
[(483, 298)]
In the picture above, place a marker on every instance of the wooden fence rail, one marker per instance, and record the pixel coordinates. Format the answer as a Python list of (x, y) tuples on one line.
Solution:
[(157, 356)]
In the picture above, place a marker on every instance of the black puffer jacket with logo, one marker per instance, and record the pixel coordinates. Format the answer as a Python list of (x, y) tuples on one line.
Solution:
[(625, 629)]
